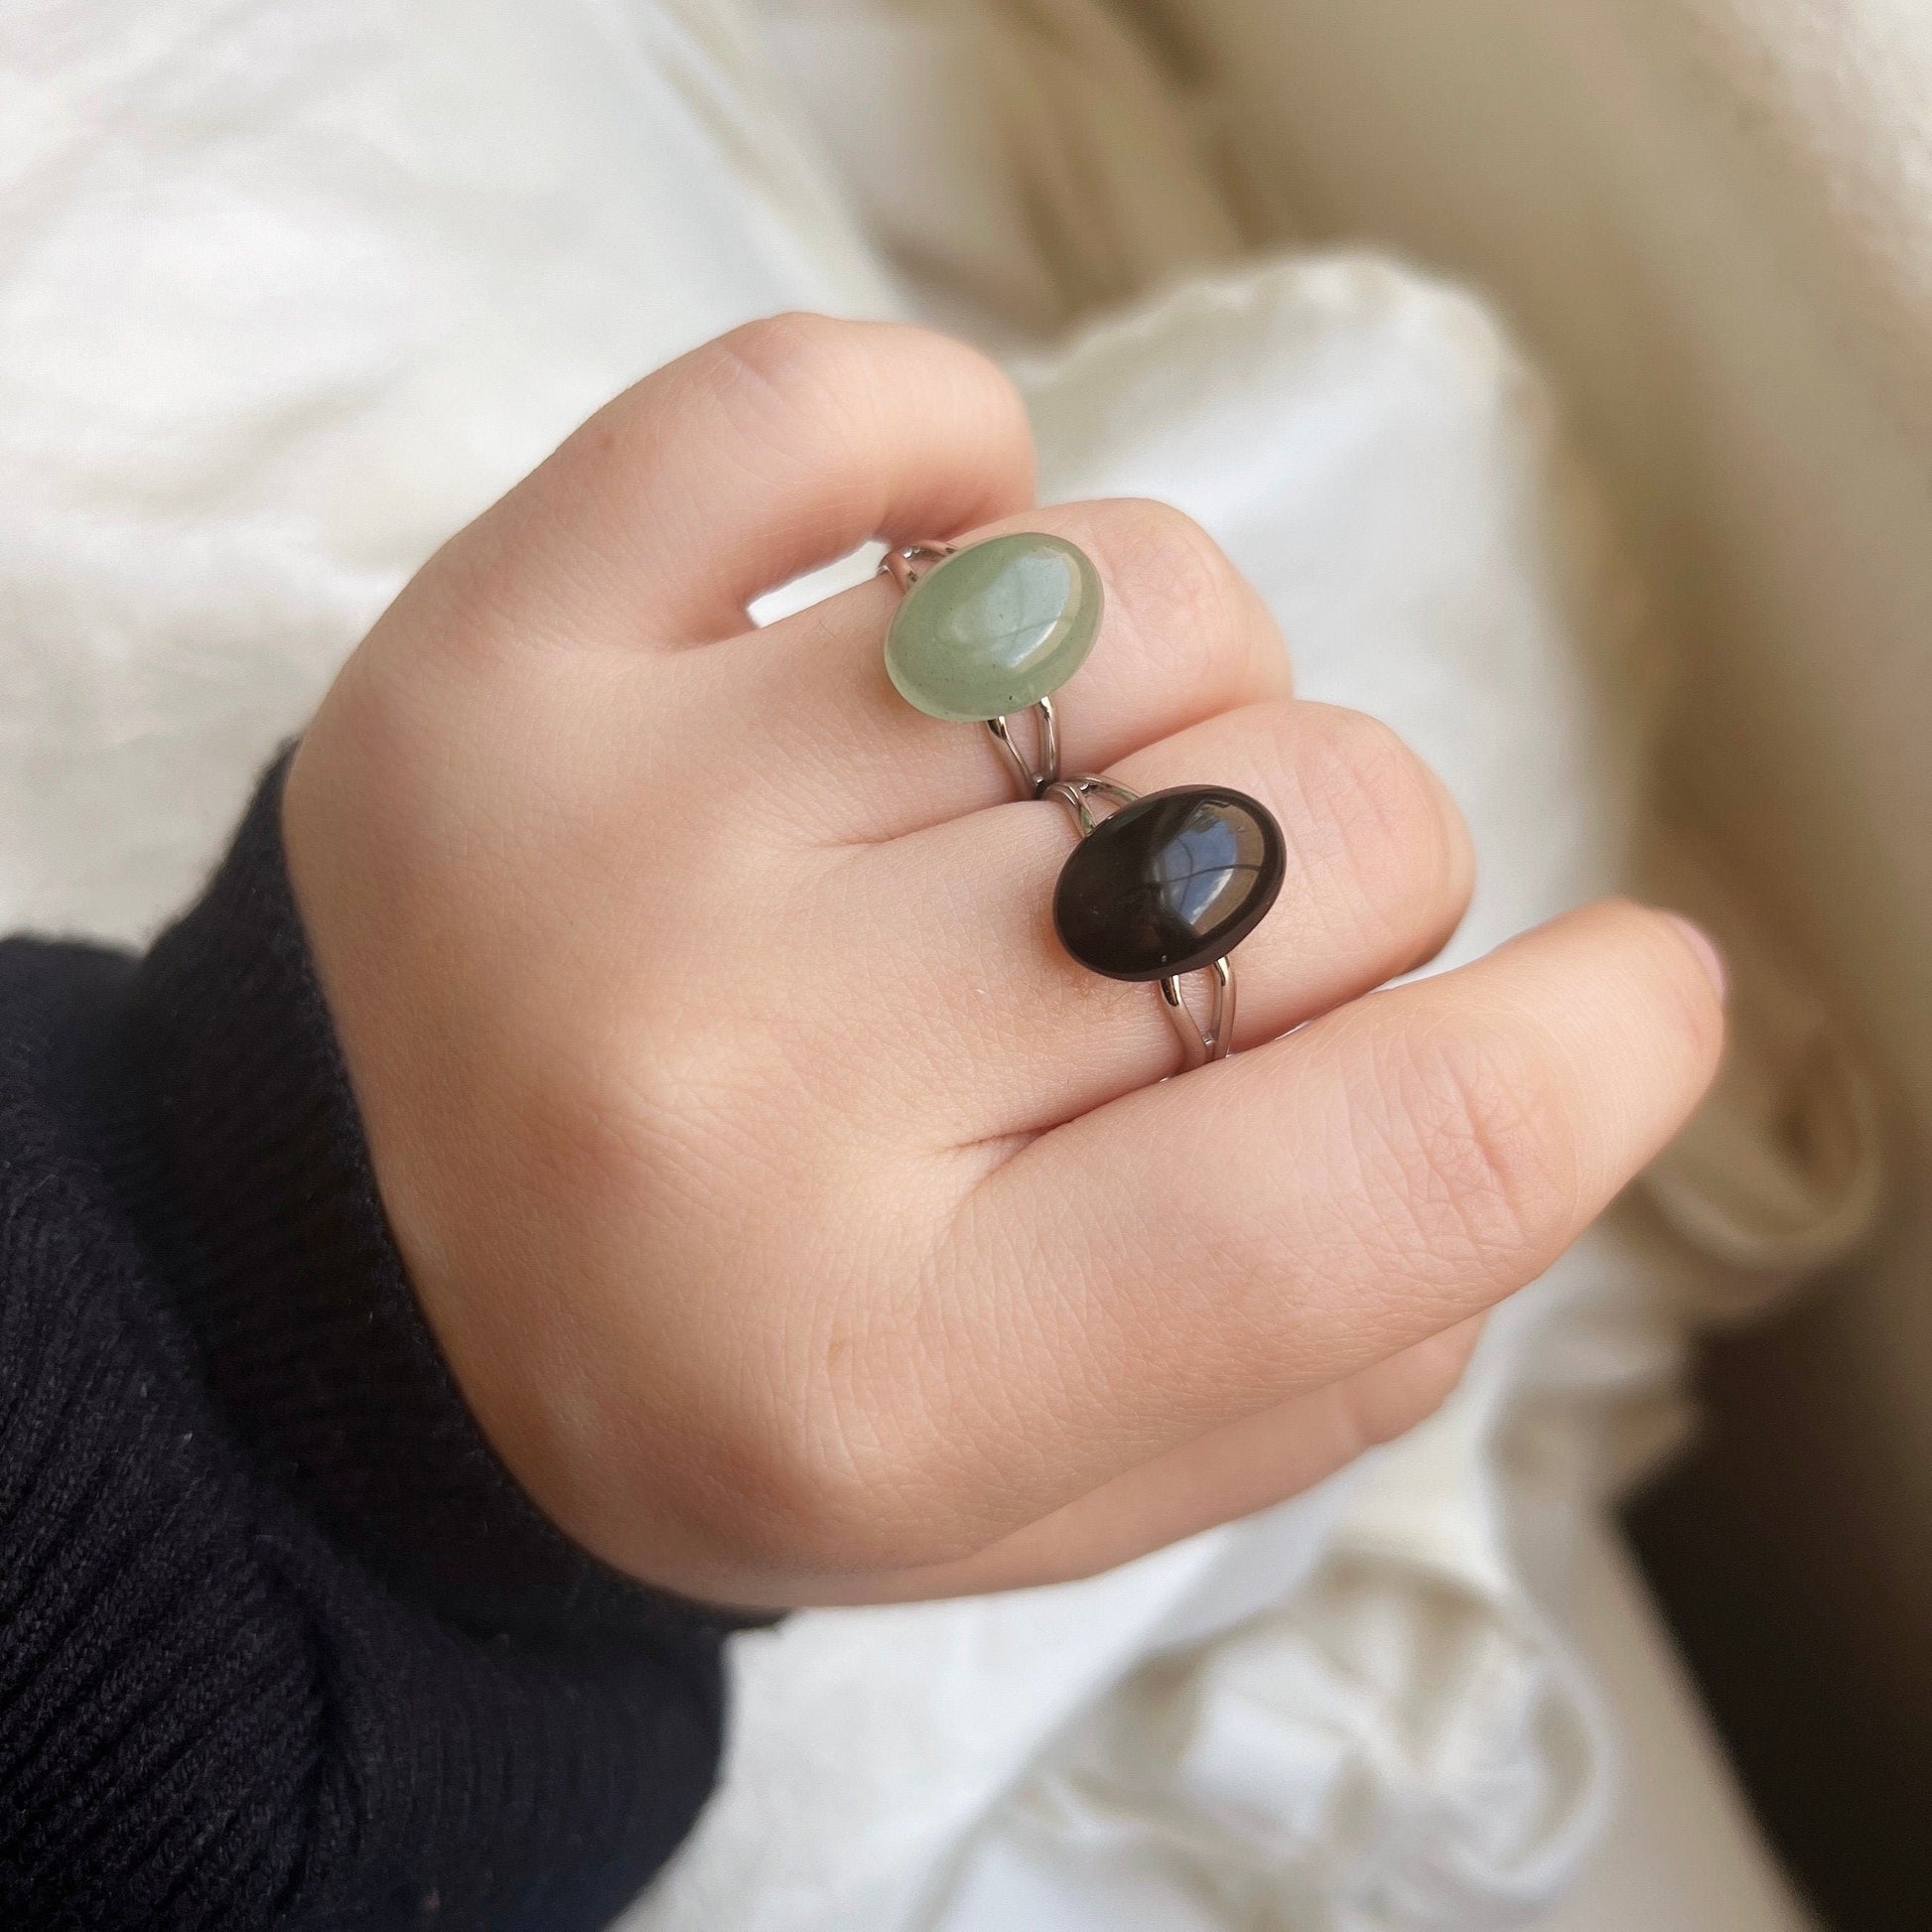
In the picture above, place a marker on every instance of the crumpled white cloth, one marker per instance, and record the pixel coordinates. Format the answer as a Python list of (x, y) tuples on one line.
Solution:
[(287, 293)]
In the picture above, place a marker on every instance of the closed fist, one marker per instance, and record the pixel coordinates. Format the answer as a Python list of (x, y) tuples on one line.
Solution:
[(799, 1222)]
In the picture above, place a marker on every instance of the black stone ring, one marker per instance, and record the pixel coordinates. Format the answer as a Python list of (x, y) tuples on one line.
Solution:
[(1168, 885)]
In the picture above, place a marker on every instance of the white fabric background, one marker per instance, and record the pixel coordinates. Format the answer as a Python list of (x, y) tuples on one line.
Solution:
[(289, 292)]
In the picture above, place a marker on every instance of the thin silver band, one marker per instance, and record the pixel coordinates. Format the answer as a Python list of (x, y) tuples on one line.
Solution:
[(1032, 779), (910, 561), (1200, 1043), (906, 565)]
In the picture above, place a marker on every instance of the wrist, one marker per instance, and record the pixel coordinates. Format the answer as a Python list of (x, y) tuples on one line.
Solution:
[(248, 1156)]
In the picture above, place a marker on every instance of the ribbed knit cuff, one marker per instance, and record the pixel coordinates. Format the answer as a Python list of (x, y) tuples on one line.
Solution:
[(250, 1172)]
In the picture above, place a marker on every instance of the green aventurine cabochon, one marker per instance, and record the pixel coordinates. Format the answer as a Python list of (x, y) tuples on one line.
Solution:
[(995, 627)]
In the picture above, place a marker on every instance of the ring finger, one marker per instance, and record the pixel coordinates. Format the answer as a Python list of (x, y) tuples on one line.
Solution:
[(1379, 871)]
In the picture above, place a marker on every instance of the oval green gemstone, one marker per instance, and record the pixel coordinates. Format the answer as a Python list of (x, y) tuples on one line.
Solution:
[(995, 627)]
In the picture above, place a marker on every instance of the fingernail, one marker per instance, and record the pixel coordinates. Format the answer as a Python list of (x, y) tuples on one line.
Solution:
[(1700, 943)]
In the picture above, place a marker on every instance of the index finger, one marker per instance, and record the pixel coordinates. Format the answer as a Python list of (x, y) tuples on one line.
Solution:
[(780, 447)]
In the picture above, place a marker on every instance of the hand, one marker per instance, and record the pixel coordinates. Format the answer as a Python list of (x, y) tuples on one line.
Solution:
[(801, 1224)]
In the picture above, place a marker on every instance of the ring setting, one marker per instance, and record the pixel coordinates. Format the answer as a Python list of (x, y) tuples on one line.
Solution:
[(991, 631), (1169, 884), (1164, 884)]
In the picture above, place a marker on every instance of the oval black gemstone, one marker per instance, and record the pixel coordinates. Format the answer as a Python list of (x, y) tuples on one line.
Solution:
[(1169, 882)]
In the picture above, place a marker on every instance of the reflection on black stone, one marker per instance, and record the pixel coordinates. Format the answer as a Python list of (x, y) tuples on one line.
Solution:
[(1169, 882)]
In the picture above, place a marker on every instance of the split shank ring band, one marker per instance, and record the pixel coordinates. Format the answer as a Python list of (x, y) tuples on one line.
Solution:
[(1163, 886)]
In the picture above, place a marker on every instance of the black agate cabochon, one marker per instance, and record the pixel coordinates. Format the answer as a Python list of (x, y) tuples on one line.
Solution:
[(1169, 882)]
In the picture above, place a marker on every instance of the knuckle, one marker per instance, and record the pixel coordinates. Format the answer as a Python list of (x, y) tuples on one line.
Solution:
[(762, 382), (1202, 582), (794, 1503), (769, 377), (1359, 773), (1181, 587), (780, 387), (782, 353), (1479, 1158), (844, 1483), (1370, 810), (825, 394), (801, 359)]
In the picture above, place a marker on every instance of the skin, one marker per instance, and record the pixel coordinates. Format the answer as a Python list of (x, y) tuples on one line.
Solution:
[(801, 1223)]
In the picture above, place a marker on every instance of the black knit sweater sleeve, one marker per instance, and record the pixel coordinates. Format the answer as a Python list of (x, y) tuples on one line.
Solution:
[(281, 1644)]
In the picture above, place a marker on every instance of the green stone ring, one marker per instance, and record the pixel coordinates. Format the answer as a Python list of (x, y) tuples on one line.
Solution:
[(993, 631)]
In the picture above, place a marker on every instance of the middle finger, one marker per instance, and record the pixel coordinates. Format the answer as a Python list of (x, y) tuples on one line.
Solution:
[(1182, 636)]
